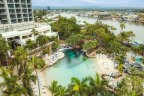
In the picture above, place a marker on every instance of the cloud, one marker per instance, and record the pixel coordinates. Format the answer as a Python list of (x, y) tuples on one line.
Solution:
[(105, 3), (108, 2)]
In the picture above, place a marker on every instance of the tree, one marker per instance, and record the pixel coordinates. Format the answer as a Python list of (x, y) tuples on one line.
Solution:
[(30, 44), (42, 40), (57, 90), (98, 86), (126, 36), (66, 27), (122, 26), (38, 62), (21, 56), (35, 33), (39, 14), (10, 85), (131, 86), (90, 45), (27, 78), (3, 50), (53, 87), (76, 39), (79, 87), (19, 91), (112, 28)]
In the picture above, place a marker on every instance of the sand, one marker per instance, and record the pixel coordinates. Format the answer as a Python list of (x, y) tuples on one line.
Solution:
[(104, 65)]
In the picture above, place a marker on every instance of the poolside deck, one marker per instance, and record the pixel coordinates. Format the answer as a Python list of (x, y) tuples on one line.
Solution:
[(51, 60)]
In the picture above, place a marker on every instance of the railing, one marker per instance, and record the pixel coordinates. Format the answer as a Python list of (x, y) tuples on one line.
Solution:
[(38, 48), (17, 2), (10, 7), (4, 18), (1, 6), (64, 47), (1, 1), (10, 1), (2, 13)]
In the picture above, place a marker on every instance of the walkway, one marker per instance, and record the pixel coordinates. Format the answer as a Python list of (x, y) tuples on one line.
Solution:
[(50, 60)]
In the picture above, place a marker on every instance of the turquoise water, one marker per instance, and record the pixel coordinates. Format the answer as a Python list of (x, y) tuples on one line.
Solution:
[(74, 64), (139, 60)]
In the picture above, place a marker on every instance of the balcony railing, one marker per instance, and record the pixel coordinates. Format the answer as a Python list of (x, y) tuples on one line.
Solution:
[(17, 2), (10, 1), (4, 18), (1, 7), (1, 2), (11, 7), (2, 13)]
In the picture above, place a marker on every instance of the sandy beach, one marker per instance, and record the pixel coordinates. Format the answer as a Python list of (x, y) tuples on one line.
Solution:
[(42, 76), (103, 64)]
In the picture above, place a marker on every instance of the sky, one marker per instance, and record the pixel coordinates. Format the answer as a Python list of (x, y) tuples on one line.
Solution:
[(100, 3)]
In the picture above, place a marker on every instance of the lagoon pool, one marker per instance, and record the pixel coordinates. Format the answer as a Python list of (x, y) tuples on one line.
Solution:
[(74, 64)]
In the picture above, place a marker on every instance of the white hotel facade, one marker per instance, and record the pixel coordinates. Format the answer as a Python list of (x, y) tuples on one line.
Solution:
[(17, 21)]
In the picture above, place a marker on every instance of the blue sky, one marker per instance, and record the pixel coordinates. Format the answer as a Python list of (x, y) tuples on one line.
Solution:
[(103, 3)]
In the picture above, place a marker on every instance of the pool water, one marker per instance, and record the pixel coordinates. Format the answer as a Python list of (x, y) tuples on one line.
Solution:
[(139, 60), (74, 64)]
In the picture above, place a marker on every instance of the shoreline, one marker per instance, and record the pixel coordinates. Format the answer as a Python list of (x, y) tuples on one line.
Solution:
[(49, 62), (102, 65)]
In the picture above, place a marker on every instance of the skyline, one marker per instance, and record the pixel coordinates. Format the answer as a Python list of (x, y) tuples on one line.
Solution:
[(99, 3)]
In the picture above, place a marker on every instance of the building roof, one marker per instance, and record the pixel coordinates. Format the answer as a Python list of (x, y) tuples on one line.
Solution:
[(25, 32)]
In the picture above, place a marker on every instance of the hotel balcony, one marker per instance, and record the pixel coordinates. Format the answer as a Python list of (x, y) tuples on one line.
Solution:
[(24, 6), (30, 19), (17, 7), (11, 7), (2, 13), (17, 2), (12, 12), (4, 22), (19, 16), (2, 7), (10, 1), (1, 2), (29, 1), (3, 18), (26, 34), (29, 6)]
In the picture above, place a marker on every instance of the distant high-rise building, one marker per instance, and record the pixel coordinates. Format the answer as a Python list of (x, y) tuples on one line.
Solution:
[(15, 11), (48, 8)]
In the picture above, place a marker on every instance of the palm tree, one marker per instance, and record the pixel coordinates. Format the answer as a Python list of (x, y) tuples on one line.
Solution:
[(34, 66), (19, 90), (10, 85), (53, 87), (122, 25), (30, 45), (57, 90), (3, 49), (21, 56), (42, 39), (61, 91), (98, 86), (78, 87), (27, 78)]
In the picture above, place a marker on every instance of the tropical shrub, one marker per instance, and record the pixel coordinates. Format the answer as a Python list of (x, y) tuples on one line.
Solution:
[(39, 63), (90, 45)]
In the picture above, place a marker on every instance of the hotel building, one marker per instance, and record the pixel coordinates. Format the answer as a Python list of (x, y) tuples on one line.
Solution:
[(17, 21)]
